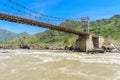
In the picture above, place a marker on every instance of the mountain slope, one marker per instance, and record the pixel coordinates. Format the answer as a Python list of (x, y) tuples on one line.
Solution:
[(17, 39), (6, 35), (108, 28)]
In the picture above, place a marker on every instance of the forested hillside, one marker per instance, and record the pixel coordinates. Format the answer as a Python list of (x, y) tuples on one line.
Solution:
[(108, 28)]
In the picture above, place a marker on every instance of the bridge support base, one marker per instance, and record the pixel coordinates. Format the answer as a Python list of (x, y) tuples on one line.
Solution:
[(87, 43)]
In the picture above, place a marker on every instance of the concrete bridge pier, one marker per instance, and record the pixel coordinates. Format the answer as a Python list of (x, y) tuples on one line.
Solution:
[(87, 43)]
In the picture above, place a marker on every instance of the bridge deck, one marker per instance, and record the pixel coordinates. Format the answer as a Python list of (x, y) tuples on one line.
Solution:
[(17, 19)]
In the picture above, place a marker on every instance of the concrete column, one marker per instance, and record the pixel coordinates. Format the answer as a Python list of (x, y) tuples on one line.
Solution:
[(85, 43), (100, 41), (95, 42)]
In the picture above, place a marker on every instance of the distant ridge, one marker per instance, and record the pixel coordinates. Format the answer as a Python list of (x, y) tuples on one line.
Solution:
[(6, 35)]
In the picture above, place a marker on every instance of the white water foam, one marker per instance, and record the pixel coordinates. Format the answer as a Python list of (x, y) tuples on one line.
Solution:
[(117, 77), (4, 57), (65, 70), (13, 71), (109, 59), (105, 59), (82, 74), (46, 60), (54, 56)]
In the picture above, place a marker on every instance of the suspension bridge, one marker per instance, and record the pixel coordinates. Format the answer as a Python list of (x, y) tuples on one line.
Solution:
[(85, 41)]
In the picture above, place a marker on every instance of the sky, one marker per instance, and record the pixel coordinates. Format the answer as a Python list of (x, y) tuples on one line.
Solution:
[(95, 9)]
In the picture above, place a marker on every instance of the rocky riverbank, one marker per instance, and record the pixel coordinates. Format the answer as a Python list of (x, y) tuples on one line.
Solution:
[(103, 49), (33, 47)]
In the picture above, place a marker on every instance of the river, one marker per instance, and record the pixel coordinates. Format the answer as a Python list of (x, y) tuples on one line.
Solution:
[(58, 65)]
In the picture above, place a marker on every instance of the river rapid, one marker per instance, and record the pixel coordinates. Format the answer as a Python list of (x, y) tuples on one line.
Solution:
[(58, 65)]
